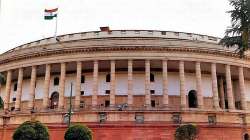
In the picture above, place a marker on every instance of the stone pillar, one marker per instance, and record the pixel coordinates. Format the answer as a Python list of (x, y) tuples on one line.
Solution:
[(182, 84), (222, 93), (230, 97), (198, 84), (78, 85), (19, 89), (147, 84), (214, 86), (8, 89), (165, 82), (95, 84), (242, 88), (130, 83), (46, 87), (112, 83), (32, 88), (62, 86)]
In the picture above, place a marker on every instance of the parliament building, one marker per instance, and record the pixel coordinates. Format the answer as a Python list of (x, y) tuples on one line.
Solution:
[(128, 85)]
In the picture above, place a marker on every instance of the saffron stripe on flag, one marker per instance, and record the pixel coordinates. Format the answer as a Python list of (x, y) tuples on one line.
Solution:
[(51, 10)]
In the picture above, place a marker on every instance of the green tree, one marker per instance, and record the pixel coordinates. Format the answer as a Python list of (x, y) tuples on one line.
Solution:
[(31, 130), (238, 33), (78, 132), (2, 79), (186, 132), (1, 103)]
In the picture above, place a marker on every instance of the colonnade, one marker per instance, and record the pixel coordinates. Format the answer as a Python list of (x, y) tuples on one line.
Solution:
[(165, 96)]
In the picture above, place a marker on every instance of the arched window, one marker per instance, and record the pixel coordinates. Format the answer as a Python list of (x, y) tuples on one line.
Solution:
[(56, 81), (246, 137), (192, 99), (54, 100), (108, 78)]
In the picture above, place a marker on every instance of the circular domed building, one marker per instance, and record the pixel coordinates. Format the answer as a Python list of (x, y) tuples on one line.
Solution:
[(128, 84)]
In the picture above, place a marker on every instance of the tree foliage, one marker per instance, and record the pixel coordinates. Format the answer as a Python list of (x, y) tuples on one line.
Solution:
[(1, 103), (31, 130), (2, 79), (78, 132), (186, 132), (238, 32)]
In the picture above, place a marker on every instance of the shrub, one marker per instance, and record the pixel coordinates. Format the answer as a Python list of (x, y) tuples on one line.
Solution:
[(31, 130), (186, 132), (78, 132)]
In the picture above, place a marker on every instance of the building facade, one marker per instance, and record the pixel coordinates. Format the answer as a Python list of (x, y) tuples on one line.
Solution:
[(128, 84)]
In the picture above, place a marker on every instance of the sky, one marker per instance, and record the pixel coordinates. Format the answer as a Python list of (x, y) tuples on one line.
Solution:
[(22, 21)]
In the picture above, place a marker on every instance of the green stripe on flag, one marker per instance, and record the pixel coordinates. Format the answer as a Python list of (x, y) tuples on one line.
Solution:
[(50, 17)]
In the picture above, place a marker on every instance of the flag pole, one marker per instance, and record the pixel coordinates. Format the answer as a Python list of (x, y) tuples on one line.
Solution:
[(56, 26), (0, 8)]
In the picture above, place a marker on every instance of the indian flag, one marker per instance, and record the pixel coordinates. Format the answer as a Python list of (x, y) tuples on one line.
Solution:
[(50, 13)]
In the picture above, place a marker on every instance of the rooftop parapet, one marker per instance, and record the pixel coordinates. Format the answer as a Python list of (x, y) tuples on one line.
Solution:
[(120, 33)]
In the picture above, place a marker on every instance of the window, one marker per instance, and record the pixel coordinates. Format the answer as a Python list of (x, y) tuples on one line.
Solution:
[(192, 99), (238, 105), (176, 118), (152, 91), (56, 81), (14, 99), (15, 87), (107, 92), (211, 119), (108, 78), (82, 93), (139, 118), (82, 79), (107, 103), (82, 104), (246, 137), (54, 100), (152, 103), (12, 108), (152, 77)]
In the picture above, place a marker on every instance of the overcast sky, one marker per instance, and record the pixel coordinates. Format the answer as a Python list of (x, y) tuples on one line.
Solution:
[(22, 21)]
